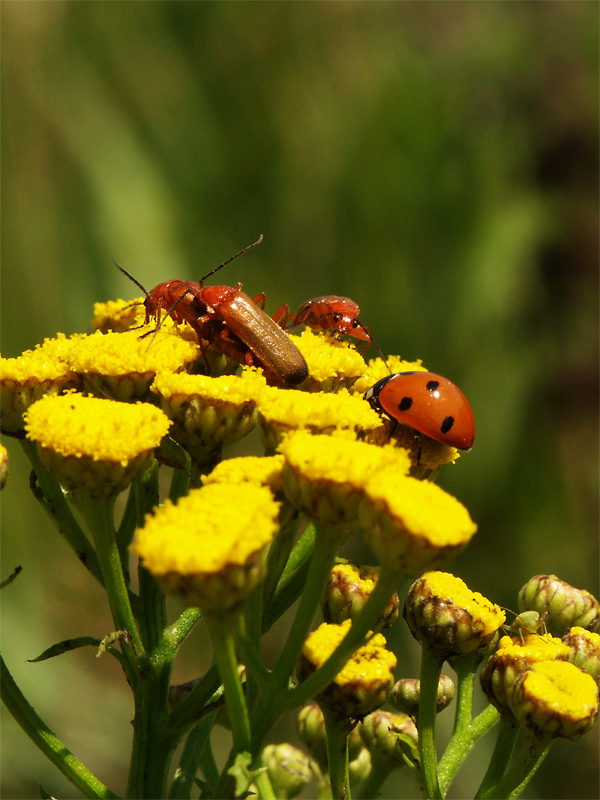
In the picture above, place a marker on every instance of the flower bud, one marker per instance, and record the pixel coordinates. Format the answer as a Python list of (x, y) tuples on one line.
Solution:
[(311, 730), (554, 698), (406, 694), (365, 680), (359, 768), (348, 589), (585, 650), (444, 613), (288, 768), (380, 731), (560, 605)]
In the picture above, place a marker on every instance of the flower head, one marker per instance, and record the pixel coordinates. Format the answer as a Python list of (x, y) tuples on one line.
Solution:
[(31, 376), (332, 364), (123, 365), (263, 471), (282, 411), (380, 731), (95, 445), (413, 525), (444, 613), (560, 605), (364, 682), (210, 547), (209, 413), (118, 315), (554, 698), (377, 369), (348, 589), (326, 476), (514, 656)]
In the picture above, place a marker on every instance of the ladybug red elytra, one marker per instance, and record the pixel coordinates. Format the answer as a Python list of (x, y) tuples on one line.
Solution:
[(429, 403)]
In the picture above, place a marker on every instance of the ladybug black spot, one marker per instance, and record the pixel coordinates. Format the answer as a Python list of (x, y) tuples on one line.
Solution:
[(405, 403), (447, 424), (432, 386)]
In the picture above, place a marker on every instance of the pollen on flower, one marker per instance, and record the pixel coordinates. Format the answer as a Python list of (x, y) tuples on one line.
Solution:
[(118, 315), (555, 698), (338, 460), (413, 525), (115, 354), (264, 471), (103, 430), (209, 547), (446, 585), (378, 369), (372, 661), (226, 388), (284, 410), (332, 364)]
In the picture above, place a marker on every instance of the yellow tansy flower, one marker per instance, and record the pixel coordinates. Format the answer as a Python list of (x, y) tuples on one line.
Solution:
[(326, 476), (210, 547), (281, 411), (413, 525), (31, 376), (365, 680), (584, 650), (513, 657), (209, 413), (266, 471), (332, 364), (123, 365), (118, 315), (96, 445), (555, 698), (444, 613), (377, 369)]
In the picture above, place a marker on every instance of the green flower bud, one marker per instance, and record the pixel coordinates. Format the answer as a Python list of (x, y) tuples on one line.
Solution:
[(380, 731), (407, 691), (288, 768), (311, 730), (560, 605), (585, 651), (360, 767)]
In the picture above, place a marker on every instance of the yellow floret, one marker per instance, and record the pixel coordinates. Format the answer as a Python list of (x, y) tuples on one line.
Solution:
[(117, 354), (331, 363), (118, 315), (252, 469), (377, 369), (74, 425), (445, 585), (226, 388)]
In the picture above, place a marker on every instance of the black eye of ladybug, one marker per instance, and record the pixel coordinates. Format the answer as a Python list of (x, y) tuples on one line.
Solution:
[(447, 424), (405, 403), (432, 386)]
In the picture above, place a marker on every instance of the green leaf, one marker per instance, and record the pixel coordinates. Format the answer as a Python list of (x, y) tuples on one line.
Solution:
[(64, 647)]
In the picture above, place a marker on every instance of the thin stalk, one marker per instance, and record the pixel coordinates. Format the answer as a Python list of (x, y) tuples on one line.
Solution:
[(431, 668), (189, 763), (47, 741), (505, 744), (337, 731), (516, 779)]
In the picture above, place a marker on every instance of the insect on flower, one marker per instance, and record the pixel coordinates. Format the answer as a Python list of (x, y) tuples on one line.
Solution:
[(231, 321)]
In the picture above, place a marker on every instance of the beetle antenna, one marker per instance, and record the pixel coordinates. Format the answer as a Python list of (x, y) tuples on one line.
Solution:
[(131, 278), (241, 253), (376, 346)]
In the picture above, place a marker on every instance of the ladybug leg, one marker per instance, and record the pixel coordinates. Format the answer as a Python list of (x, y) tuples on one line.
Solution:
[(420, 451)]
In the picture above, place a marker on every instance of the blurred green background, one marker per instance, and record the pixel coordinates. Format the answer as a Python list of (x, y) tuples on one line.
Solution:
[(436, 162)]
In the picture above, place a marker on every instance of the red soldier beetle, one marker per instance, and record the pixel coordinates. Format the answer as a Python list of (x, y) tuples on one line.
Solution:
[(230, 320)]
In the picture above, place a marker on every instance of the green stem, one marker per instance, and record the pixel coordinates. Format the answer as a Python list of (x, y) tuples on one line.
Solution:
[(431, 668), (47, 741), (185, 774), (514, 782), (221, 634), (54, 503), (191, 709), (466, 730), (98, 514), (505, 743), (337, 731)]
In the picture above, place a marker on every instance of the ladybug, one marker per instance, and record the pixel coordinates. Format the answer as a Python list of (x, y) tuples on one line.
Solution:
[(429, 403)]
